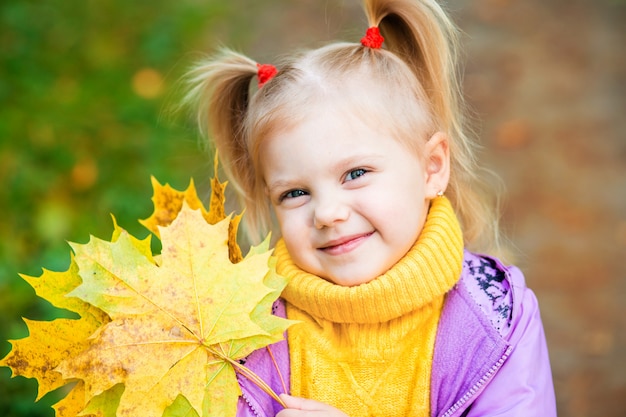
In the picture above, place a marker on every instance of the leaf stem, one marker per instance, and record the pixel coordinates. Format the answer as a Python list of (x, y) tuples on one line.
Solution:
[(280, 374), (254, 378)]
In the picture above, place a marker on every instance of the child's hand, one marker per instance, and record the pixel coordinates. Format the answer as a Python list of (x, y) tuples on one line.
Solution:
[(301, 407)]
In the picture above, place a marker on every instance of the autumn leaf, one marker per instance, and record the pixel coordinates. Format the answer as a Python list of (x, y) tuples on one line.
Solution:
[(158, 334), (49, 342), (103, 405), (177, 326), (169, 201)]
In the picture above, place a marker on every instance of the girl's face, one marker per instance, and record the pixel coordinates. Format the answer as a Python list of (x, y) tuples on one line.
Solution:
[(350, 200)]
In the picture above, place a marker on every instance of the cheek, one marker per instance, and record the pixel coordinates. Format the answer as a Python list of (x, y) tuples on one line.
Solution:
[(399, 211), (296, 240), (290, 225), (396, 201)]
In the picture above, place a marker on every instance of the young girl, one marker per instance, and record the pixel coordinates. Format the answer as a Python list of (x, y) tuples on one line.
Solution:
[(359, 155)]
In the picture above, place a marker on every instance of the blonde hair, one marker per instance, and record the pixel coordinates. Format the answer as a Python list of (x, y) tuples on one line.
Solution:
[(415, 84)]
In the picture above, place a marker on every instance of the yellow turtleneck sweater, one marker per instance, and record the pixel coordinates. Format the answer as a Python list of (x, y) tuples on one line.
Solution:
[(367, 350)]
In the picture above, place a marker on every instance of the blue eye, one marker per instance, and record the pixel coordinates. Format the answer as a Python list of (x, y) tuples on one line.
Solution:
[(354, 174), (293, 194)]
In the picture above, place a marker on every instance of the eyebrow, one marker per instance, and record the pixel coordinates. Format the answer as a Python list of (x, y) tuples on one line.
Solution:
[(279, 184), (357, 160)]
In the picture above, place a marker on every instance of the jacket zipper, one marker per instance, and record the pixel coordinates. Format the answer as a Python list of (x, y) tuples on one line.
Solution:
[(477, 388), (254, 410)]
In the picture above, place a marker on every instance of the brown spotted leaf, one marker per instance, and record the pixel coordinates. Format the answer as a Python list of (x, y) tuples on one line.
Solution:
[(176, 325), (49, 342)]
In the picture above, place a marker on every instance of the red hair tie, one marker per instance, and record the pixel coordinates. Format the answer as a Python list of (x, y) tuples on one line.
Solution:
[(265, 72), (372, 38)]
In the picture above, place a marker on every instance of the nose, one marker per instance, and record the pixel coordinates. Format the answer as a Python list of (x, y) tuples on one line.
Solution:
[(329, 211)]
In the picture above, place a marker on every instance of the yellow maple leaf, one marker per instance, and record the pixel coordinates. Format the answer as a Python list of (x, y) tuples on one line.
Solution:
[(103, 405), (67, 342), (177, 326), (169, 201), (49, 342)]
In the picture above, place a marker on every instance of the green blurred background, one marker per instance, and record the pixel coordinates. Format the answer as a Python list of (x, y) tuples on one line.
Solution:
[(86, 89)]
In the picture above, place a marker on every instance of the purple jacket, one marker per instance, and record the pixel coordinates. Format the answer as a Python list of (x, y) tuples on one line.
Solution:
[(490, 354)]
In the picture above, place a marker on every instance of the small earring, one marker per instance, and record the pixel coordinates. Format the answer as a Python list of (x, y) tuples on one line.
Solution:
[(440, 193)]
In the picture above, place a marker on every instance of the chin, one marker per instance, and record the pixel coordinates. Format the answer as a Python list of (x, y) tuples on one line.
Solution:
[(351, 280)]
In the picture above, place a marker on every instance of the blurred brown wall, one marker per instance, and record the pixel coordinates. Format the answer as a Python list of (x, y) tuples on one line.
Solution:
[(547, 83)]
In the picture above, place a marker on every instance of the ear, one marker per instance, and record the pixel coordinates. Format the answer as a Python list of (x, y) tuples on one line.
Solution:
[(436, 164)]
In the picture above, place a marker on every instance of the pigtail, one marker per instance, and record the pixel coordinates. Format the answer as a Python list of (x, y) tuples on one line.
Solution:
[(421, 34), (219, 94)]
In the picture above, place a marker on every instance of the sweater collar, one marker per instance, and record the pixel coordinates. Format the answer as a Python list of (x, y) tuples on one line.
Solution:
[(428, 270)]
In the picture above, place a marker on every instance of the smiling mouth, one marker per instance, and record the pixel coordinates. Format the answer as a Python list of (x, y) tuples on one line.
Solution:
[(344, 245)]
